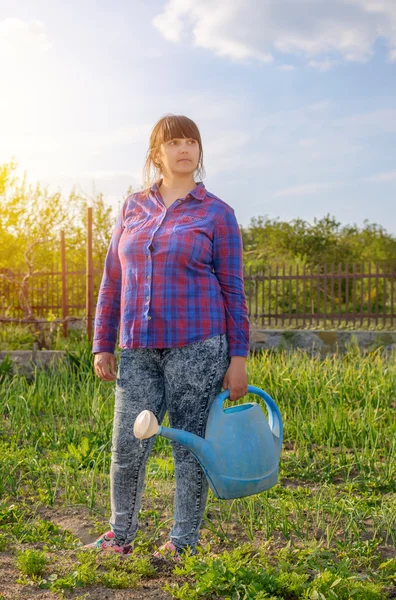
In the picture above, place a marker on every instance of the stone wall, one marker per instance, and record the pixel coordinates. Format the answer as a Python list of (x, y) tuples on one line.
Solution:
[(316, 342), (321, 342)]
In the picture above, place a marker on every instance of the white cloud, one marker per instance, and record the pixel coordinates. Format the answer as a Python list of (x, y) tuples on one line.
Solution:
[(320, 32), (170, 22), (22, 41), (381, 177), (287, 67), (304, 143), (323, 65), (369, 124), (307, 188), (27, 87)]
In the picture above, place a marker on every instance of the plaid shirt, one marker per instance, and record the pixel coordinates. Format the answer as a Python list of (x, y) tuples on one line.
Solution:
[(173, 276)]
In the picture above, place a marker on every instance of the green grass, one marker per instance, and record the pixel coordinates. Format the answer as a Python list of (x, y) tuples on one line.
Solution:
[(327, 530), (14, 336)]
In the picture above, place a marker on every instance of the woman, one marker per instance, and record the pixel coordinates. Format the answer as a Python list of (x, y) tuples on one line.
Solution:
[(173, 279)]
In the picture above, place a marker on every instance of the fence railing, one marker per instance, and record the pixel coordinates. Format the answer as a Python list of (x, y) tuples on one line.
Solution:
[(337, 296), (48, 290), (329, 295)]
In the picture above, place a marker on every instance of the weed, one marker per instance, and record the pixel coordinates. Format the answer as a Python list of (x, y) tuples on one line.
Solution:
[(116, 579), (31, 562), (242, 574), (332, 512), (6, 369)]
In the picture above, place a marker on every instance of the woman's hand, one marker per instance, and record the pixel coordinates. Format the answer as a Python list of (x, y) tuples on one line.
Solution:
[(104, 366), (236, 378)]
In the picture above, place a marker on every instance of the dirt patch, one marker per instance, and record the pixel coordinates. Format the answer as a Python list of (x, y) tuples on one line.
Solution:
[(296, 483), (80, 523), (149, 589), (77, 520), (146, 592)]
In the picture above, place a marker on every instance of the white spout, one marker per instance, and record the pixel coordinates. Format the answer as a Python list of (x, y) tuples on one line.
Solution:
[(146, 425)]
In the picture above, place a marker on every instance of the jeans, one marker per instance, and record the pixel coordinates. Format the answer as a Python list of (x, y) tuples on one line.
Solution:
[(183, 381)]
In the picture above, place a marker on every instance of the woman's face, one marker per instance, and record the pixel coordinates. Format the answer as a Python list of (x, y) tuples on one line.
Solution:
[(179, 155)]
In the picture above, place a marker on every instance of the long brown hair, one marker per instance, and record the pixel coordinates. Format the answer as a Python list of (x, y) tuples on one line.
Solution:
[(169, 127)]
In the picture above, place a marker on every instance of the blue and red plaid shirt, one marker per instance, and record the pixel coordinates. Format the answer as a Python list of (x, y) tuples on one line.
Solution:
[(173, 276)]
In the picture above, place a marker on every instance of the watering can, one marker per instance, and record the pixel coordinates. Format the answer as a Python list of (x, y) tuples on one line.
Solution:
[(241, 449)]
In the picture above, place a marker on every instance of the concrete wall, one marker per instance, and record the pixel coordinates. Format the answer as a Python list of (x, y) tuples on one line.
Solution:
[(24, 361), (314, 342)]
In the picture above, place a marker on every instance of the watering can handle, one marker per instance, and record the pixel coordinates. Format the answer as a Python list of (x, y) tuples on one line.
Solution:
[(274, 416)]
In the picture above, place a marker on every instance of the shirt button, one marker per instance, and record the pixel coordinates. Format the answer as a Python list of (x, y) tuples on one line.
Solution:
[(148, 276), (147, 297), (149, 317)]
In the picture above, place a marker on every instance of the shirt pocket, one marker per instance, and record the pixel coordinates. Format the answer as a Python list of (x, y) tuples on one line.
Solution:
[(135, 223), (189, 223)]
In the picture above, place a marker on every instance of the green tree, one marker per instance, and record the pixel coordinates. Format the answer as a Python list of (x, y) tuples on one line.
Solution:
[(267, 241), (31, 219)]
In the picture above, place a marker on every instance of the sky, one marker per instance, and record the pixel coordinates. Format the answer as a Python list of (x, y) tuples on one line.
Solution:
[(295, 99)]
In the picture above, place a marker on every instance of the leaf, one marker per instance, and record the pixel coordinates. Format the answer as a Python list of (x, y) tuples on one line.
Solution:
[(84, 446)]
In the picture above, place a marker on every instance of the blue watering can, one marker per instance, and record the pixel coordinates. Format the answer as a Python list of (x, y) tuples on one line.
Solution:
[(241, 449)]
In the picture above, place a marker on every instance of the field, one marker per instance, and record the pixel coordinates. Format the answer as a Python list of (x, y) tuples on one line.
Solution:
[(326, 531)]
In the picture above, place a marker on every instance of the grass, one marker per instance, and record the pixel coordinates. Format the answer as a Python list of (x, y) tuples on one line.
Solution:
[(327, 530)]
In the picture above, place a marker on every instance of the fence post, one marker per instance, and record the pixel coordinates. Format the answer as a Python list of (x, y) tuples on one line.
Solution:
[(89, 275), (64, 284)]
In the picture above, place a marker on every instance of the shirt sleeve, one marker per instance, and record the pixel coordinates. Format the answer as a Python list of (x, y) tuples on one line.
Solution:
[(228, 267), (107, 316)]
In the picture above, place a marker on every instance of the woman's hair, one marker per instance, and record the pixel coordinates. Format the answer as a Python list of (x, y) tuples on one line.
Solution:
[(169, 127)]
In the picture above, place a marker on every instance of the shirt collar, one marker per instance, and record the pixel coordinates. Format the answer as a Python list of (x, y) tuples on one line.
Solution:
[(199, 192)]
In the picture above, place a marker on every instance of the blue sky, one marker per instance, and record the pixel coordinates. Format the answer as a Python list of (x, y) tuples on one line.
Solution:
[(295, 100)]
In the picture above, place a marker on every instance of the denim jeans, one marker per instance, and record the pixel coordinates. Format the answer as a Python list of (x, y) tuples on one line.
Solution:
[(183, 381)]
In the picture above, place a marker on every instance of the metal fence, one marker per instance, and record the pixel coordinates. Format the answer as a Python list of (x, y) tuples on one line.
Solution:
[(329, 295), (277, 296)]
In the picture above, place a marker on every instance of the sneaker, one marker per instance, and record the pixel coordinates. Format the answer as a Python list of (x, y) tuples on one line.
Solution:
[(168, 550), (108, 543)]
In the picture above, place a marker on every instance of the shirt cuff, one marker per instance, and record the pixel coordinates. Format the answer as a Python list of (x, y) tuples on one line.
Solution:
[(103, 347)]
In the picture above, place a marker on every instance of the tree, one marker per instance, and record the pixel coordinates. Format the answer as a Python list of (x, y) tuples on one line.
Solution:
[(31, 220)]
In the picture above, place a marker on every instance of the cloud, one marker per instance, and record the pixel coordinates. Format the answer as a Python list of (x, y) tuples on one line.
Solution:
[(369, 124), (25, 53), (22, 41), (307, 188), (323, 65), (292, 145), (380, 177), (321, 33), (317, 123)]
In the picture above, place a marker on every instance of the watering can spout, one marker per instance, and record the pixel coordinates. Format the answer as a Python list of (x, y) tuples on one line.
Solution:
[(146, 425), (194, 443)]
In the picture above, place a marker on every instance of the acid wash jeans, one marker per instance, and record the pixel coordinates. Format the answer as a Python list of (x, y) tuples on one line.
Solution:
[(183, 381)]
